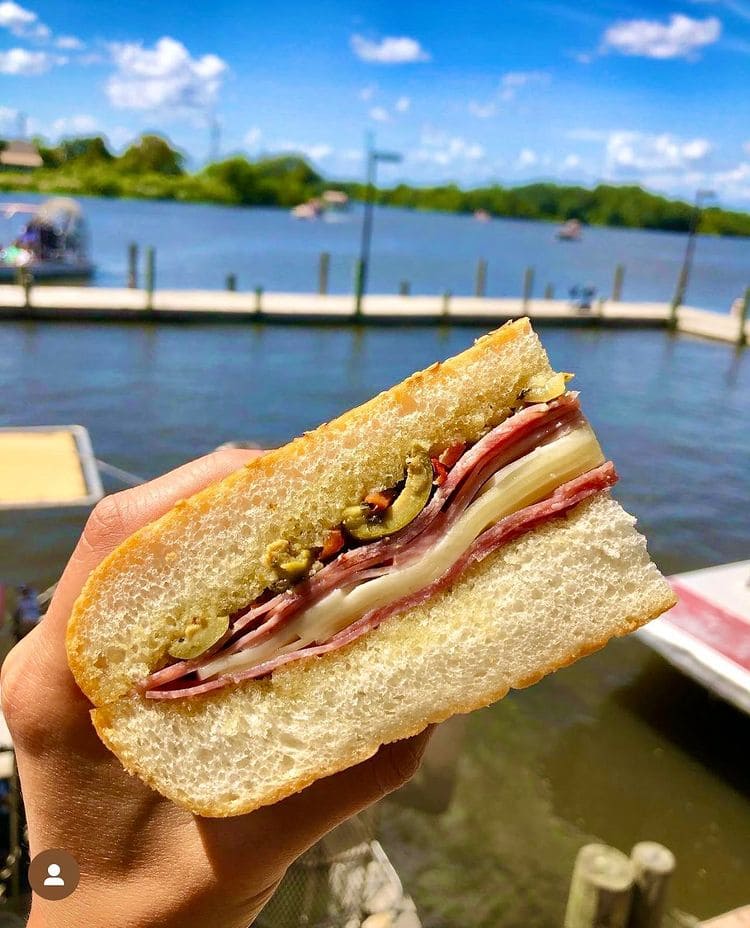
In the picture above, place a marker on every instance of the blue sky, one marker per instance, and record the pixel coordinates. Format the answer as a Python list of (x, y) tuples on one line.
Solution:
[(655, 93)]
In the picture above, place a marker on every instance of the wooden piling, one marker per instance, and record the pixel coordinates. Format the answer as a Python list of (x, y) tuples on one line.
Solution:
[(741, 336), (359, 287), (324, 263), (133, 265), (446, 307), (25, 280), (653, 865), (617, 283), (528, 286), (231, 282), (404, 288), (549, 292), (258, 300), (480, 281), (600, 890), (150, 281)]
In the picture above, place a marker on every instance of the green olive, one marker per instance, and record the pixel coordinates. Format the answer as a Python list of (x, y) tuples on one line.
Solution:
[(199, 636), (299, 565), (364, 525)]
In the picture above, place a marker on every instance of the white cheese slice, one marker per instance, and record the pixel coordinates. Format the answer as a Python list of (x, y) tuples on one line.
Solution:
[(526, 481)]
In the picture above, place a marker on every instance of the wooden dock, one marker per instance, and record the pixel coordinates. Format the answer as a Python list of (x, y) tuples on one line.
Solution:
[(65, 303)]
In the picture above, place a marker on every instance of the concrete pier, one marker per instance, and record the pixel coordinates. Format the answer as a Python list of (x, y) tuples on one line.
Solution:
[(64, 303)]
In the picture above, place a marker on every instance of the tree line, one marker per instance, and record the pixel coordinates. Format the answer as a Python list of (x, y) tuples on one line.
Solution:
[(151, 168)]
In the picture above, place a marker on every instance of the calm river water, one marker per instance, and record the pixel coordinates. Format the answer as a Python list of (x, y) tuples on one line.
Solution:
[(198, 245), (618, 747)]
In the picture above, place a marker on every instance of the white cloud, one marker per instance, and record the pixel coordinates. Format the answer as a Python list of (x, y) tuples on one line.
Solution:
[(390, 50), (527, 158), (317, 151), (69, 42), (402, 105), (379, 114), (252, 137), (80, 124), (512, 82), (165, 77), (638, 152), (681, 37), (368, 92), (746, 148), (571, 162), (351, 154), (444, 150), (21, 22), (21, 61), (482, 110)]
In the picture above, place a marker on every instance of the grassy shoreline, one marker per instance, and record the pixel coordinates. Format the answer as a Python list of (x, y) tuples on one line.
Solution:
[(151, 169)]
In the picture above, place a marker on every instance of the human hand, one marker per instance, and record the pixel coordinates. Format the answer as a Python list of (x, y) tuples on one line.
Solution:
[(145, 862)]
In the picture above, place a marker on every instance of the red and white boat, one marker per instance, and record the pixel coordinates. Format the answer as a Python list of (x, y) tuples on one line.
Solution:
[(707, 634)]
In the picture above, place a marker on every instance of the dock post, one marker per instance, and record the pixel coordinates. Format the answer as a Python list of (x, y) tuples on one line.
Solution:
[(528, 286), (231, 282), (132, 265), (741, 336), (404, 288), (617, 283), (324, 263), (600, 890), (480, 282), (25, 279), (150, 277), (359, 287), (258, 300), (549, 292), (653, 865), (446, 307)]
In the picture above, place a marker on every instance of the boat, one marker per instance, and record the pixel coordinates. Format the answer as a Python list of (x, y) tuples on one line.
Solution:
[(51, 244), (707, 634), (313, 209), (570, 231), (481, 215)]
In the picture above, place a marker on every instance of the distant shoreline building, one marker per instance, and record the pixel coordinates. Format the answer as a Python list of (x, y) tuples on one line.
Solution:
[(19, 154)]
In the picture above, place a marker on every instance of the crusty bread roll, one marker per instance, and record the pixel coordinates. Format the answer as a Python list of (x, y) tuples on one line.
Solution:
[(541, 601)]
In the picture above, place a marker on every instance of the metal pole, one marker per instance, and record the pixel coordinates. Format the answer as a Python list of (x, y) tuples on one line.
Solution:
[(258, 300), (404, 288), (231, 282), (366, 240), (687, 262), (446, 307)]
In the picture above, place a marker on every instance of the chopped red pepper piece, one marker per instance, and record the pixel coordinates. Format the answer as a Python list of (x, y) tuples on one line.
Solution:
[(332, 544), (440, 471), (379, 499)]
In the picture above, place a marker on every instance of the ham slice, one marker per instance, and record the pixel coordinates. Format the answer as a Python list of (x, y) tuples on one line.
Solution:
[(563, 499), (514, 437)]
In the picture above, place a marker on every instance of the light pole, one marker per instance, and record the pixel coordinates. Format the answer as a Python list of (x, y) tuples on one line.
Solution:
[(372, 156), (687, 262)]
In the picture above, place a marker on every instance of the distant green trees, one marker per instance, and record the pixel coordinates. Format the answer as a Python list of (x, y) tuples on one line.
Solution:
[(152, 168)]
